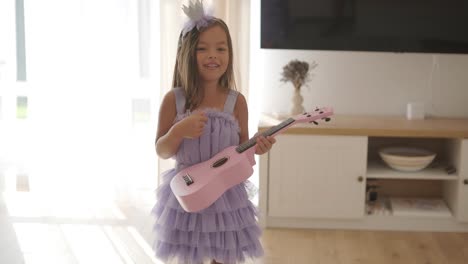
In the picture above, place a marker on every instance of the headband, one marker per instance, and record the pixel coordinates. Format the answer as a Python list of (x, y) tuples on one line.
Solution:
[(198, 17)]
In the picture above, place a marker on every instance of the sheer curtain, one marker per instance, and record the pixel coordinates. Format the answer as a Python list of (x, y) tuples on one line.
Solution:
[(77, 160), (236, 14), (90, 99), (7, 43)]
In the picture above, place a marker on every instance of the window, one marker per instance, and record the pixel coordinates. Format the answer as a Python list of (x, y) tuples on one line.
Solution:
[(21, 107), (71, 155), (92, 72)]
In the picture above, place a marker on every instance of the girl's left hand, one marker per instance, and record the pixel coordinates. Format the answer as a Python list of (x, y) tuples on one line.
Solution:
[(264, 144)]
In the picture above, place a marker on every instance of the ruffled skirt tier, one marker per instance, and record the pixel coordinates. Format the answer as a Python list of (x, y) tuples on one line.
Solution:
[(227, 231)]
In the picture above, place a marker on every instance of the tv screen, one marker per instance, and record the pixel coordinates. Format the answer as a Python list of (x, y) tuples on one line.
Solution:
[(432, 26)]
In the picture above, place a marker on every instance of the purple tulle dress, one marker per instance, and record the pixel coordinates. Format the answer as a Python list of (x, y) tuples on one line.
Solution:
[(227, 231)]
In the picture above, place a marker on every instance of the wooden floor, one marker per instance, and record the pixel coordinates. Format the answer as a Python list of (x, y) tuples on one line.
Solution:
[(33, 232), (303, 246)]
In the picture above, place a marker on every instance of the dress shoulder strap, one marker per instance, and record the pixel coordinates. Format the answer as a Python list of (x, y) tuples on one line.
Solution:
[(180, 99), (230, 101)]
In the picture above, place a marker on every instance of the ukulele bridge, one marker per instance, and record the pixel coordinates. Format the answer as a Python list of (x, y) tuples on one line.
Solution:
[(188, 180)]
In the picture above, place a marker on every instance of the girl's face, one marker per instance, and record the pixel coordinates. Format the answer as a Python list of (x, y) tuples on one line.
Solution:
[(212, 53)]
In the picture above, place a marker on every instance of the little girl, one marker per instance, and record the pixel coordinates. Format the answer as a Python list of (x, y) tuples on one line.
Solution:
[(199, 117)]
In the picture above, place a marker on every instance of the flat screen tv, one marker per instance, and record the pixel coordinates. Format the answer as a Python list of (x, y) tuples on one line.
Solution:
[(423, 26)]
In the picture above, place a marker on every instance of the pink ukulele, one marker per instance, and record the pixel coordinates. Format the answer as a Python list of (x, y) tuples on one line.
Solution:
[(200, 185)]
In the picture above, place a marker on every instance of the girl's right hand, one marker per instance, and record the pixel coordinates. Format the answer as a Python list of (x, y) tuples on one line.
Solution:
[(193, 125)]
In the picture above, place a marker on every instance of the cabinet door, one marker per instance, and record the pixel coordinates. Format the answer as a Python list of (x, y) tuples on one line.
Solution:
[(317, 176), (463, 173)]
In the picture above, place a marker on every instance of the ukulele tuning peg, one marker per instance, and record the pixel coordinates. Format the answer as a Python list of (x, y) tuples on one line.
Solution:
[(314, 122), (316, 109), (305, 113), (326, 119)]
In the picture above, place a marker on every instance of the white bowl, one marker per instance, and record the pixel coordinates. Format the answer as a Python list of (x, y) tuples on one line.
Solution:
[(407, 159)]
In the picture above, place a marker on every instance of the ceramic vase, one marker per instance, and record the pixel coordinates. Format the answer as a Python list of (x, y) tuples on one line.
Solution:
[(297, 100)]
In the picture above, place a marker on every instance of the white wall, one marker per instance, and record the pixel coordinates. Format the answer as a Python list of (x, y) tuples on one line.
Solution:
[(371, 83)]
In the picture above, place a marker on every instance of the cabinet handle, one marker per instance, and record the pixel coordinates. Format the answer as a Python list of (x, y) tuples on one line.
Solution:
[(360, 179), (465, 181)]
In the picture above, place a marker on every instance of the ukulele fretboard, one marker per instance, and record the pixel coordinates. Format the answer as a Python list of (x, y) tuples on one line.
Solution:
[(251, 142)]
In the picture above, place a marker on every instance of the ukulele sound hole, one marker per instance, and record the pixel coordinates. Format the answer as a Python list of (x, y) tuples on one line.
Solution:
[(220, 162)]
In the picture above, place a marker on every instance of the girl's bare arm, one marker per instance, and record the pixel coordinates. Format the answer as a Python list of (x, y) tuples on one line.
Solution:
[(168, 138)]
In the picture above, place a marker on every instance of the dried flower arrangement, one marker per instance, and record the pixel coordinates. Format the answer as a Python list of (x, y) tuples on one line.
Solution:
[(297, 72)]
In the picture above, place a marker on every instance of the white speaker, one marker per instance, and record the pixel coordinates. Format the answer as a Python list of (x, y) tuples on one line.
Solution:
[(415, 110)]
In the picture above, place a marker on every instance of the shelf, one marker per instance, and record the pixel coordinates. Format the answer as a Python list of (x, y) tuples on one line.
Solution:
[(409, 208), (378, 170), (392, 216)]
